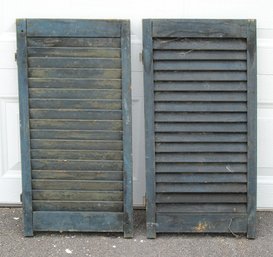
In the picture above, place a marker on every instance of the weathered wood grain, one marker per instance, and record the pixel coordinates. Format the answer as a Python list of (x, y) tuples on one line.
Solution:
[(72, 83), (104, 125), (77, 174), (200, 43), (68, 62), (200, 167), (74, 73), (100, 206), (201, 198), (201, 188), (81, 165), (76, 144), (201, 178), (74, 195), (88, 114), (199, 147), (73, 42), (46, 93), (201, 96), (49, 184), (107, 104), (202, 223), (72, 28), (90, 221), (75, 134), (76, 154)]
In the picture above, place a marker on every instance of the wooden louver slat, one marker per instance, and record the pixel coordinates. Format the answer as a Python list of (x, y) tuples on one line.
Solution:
[(75, 111), (200, 100)]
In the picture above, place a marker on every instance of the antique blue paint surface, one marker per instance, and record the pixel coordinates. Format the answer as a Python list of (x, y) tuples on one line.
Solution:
[(24, 126), (76, 125), (200, 118)]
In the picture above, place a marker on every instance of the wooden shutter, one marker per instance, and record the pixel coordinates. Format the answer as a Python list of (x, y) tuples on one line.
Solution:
[(200, 102), (75, 112)]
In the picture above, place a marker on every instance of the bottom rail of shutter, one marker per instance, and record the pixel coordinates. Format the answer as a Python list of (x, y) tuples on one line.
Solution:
[(201, 223), (77, 221)]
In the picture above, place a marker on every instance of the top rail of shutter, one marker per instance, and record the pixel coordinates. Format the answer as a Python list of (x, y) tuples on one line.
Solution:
[(73, 28), (209, 28)]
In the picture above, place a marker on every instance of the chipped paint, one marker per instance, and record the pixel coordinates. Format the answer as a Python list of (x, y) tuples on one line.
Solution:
[(201, 227)]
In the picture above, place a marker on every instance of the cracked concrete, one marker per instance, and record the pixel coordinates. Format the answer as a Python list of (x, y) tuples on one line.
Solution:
[(14, 244)]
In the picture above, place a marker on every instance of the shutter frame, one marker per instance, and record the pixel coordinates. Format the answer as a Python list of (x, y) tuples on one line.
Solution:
[(89, 33), (155, 29)]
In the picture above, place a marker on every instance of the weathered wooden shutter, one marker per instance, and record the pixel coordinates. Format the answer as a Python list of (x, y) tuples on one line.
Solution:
[(200, 96), (75, 112)]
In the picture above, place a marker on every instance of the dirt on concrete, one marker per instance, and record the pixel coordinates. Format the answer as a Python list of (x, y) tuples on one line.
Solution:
[(44, 244)]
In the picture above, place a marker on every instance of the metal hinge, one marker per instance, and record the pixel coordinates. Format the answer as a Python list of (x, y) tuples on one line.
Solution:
[(15, 56)]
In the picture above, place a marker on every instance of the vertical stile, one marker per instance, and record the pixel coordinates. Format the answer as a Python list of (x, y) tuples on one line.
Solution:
[(24, 125)]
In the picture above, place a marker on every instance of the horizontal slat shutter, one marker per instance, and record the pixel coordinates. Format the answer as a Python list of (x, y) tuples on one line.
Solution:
[(200, 96), (79, 123)]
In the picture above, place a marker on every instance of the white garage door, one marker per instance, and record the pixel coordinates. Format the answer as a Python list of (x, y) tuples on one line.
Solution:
[(10, 182)]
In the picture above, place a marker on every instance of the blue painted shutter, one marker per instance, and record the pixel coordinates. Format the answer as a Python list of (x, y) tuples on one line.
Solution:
[(75, 103), (200, 96)]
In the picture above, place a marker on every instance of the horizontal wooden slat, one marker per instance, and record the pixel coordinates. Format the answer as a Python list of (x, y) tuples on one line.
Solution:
[(74, 93), (201, 157), (201, 178), (199, 65), (77, 174), (200, 107), (200, 43), (73, 42), (200, 127), (68, 62), (73, 195), (200, 117), (200, 147), (76, 165), (198, 55), (200, 96), (76, 144), (75, 114), (50, 184), (199, 167), (208, 28), (196, 75), (76, 154), (73, 52), (200, 198), (73, 83), (200, 86), (41, 205), (202, 223), (201, 207), (200, 188), (75, 134), (72, 28), (103, 125), (75, 104), (200, 137), (74, 73), (65, 221)]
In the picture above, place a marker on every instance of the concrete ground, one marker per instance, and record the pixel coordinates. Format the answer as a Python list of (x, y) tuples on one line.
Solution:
[(14, 244)]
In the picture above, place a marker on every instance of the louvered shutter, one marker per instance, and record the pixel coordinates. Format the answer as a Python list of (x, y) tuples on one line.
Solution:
[(75, 112), (200, 106)]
